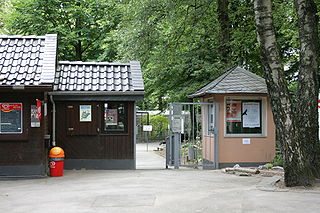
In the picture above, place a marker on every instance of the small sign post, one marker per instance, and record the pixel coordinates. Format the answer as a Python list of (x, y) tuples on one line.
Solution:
[(146, 129)]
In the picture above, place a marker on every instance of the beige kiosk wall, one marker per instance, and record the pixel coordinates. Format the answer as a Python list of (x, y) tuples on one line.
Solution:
[(231, 149)]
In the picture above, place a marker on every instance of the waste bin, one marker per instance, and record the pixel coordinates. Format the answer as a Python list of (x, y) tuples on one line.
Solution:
[(56, 162)]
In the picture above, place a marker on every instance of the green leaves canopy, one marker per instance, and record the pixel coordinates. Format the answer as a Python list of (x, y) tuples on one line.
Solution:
[(178, 42), (83, 25)]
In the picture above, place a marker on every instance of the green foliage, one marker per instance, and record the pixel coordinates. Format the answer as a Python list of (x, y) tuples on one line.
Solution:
[(177, 42), (159, 127), (278, 160), (83, 26)]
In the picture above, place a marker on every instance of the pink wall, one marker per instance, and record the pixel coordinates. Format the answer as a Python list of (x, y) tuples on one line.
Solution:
[(231, 149)]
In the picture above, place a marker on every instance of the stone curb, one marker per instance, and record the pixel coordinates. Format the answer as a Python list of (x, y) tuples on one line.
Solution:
[(267, 184)]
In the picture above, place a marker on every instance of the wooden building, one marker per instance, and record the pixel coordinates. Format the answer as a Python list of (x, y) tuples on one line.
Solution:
[(95, 113), (244, 120), (27, 69), (87, 108)]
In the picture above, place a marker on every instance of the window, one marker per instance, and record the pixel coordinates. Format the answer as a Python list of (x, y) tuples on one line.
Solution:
[(10, 118), (115, 118), (210, 119), (243, 116)]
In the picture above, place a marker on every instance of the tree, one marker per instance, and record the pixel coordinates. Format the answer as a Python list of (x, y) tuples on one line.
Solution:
[(224, 23), (84, 26), (295, 119)]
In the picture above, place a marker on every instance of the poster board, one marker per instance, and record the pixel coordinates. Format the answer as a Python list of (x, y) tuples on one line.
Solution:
[(11, 117), (251, 114), (35, 122), (85, 113), (233, 111), (111, 117)]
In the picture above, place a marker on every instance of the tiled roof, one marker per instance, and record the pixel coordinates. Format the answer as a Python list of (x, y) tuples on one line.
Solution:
[(98, 76), (27, 60), (235, 81)]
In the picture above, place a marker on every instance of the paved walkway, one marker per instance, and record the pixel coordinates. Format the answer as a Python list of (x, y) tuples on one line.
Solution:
[(152, 191), (147, 159)]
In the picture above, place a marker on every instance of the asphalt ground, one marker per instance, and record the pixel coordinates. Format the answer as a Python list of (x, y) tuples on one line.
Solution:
[(153, 189)]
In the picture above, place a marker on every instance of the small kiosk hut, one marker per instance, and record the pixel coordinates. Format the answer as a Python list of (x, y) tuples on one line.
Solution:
[(95, 113), (27, 69), (246, 131)]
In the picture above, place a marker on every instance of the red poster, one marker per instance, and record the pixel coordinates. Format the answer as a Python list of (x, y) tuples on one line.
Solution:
[(39, 109), (233, 111), (8, 107)]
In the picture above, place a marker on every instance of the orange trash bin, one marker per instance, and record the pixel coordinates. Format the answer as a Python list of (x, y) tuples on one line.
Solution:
[(56, 162)]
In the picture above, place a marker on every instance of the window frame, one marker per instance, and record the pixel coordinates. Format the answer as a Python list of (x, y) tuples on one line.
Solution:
[(263, 114), (21, 120), (126, 123), (210, 111)]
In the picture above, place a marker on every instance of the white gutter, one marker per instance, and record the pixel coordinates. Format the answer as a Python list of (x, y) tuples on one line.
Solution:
[(53, 121)]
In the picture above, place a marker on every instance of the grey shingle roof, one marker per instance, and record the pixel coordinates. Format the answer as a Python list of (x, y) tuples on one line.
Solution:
[(235, 81), (98, 77), (27, 60)]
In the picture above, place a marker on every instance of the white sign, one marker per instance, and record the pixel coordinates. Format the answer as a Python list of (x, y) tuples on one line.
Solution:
[(85, 113), (147, 128), (177, 125), (251, 114), (245, 140)]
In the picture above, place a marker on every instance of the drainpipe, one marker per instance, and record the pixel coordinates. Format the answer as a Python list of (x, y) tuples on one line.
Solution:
[(53, 121)]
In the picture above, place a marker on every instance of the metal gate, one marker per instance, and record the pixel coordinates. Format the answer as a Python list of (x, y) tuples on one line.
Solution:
[(193, 135)]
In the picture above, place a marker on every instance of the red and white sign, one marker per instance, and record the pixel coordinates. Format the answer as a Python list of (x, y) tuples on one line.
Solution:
[(8, 107), (233, 111), (39, 109)]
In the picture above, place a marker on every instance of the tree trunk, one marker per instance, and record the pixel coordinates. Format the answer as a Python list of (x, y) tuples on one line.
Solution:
[(223, 19), (297, 171), (78, 49), (308, 83)]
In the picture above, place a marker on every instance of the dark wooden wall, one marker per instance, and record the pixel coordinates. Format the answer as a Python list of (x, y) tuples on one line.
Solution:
[(28, 148), (85, 140)]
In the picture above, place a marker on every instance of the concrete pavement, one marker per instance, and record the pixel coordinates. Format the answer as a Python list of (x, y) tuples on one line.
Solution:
[(146, 159), (152, 191)]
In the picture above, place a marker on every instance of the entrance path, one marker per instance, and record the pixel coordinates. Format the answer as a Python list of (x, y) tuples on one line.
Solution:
[(147, 159)]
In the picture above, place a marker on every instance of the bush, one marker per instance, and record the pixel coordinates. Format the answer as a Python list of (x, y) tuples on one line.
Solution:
[(159, 127), (278, 160)]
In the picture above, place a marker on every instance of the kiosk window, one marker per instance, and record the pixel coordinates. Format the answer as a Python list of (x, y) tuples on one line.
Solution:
[(115, 118), (243, 116), (10, 118)]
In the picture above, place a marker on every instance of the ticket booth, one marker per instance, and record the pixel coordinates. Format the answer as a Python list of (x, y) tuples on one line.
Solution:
[(94, 120), (246, 130)]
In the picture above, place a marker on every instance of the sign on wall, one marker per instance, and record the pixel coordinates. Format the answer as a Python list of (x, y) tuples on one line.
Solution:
[(233, 111), (111, 117), (35, 121), (10, 117), (85, 113), (147, 128), (251, 114)]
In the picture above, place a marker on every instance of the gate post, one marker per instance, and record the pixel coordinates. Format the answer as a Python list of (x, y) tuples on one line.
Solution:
[(176, 148), (216, 136)]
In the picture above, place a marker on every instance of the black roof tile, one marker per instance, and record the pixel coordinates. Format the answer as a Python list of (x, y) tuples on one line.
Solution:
[(27, 60)]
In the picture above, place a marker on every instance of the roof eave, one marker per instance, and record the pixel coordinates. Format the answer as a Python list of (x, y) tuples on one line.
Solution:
[(98, 93)]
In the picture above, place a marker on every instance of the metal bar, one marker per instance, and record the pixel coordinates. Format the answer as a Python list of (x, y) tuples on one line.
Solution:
[(216, 136), (177, 146), (186, 103), (135, 132)]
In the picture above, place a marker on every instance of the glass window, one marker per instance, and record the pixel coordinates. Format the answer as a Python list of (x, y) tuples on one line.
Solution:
[(115, 117), (10, 118), (210, 119), (243, 116)]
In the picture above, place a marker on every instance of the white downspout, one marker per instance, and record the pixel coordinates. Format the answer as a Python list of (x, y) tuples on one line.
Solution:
[(53, 121)]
